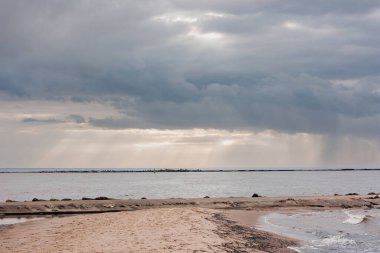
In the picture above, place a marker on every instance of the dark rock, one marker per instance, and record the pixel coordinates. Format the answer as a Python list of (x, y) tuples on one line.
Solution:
[(371, 193), (66, 199), (255, 195), (352, 194), (374, 197), (143, 198), (36, 199), (336, 194), (345, 206), (53, 199), (85, 198), (206, 197), (102, 198), (9, 200)]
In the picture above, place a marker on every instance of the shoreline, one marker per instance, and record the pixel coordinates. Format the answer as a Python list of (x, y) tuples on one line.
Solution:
[(166, 225), (60, 171), (104, 204)]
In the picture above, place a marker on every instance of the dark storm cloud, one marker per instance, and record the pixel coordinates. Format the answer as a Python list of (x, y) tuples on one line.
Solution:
[(295, 66)]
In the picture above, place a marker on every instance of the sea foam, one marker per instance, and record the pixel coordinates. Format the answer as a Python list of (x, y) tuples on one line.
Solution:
[(355, 218)]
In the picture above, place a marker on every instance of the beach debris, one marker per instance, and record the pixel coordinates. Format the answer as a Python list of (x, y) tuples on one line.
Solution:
[(345, 206), (288, 199), (53, 199), (66, 199), (9, 200), (85, 198), (72, 205), (232, 204), (102, 198), (352, 194), (255, 195), (83, 206), (206, 197), (36, 199), (108, 206)]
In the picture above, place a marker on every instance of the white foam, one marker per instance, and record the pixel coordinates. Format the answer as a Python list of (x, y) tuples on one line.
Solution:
[(355, 218), (295, 249), (337, 240)]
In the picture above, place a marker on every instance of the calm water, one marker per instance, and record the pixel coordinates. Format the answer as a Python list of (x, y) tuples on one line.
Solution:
[(25, 186), (329, 231)]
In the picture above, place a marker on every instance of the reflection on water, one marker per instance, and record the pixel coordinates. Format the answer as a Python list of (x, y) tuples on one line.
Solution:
[(328, 231)]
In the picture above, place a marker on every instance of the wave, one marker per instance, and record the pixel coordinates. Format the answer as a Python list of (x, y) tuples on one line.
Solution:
[(355, 218)]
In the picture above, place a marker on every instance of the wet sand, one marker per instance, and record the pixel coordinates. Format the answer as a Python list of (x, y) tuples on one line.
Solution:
[(171, 225)]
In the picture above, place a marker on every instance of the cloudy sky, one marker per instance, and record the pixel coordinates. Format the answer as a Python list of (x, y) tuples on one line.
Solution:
[(191, 83)]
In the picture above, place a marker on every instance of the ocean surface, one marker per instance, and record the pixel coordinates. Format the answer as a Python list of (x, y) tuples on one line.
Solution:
[(26, 186), (347, 231)]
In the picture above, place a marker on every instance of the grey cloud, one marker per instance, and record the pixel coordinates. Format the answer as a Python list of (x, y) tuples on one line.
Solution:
[(77, 118), (69, 119), (261, 74), (44, 121)]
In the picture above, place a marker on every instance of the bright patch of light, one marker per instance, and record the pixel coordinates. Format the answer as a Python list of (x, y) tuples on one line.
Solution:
[(292, 25), (177, 19), (188, 18), (194, 32), (227, 142), (214, 14), (375, 15), (297, 26)]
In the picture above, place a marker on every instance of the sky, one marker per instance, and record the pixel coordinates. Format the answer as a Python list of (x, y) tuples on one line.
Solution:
[(189, 83)]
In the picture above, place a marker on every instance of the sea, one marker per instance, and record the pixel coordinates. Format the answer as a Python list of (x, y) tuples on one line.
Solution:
[(26, 184), (338, 231), (347, 231)]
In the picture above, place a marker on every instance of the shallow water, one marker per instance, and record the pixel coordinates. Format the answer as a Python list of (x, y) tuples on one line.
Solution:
[(25, 186), (9, 221), (328, 231)]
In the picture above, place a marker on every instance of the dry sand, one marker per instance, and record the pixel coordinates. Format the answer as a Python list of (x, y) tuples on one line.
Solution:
[(152, 230), (172, 225)]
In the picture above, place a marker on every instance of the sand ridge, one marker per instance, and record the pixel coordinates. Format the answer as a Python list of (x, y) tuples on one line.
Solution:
[(151, 230)]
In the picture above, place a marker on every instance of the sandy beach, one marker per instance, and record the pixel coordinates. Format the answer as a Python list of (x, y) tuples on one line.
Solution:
[(171, 225)]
